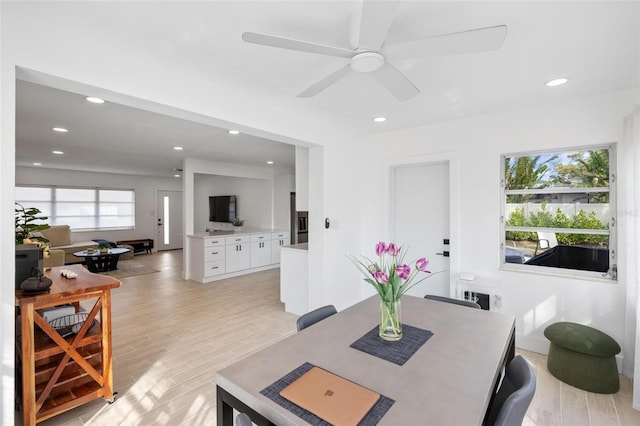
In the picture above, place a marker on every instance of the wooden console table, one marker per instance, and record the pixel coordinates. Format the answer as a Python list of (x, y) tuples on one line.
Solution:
[(62, 373), (140, 245)]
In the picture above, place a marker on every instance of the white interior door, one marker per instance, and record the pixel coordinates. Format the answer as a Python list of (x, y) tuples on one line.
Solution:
[(169, 220), (420, 220)]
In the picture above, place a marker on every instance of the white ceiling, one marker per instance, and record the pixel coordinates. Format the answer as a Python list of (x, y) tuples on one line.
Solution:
[(594, 44)]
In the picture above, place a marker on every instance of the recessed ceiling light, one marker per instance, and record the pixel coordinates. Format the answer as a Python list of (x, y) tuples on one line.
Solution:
[(269, 162), (234, 132), (176, 175), (94, 100), (177, 148), (556, 82), (37, 164), (380, 119), (57, 152), (60, 129)]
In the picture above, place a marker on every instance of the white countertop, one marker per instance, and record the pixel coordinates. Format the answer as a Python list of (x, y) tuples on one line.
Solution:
[(301, 246), (243, 231)]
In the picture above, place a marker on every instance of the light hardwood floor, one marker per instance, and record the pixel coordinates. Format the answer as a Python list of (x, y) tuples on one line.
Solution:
[(170, 336)]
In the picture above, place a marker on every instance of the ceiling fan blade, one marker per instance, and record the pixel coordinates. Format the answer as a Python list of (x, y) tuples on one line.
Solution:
[(471, 41), (299, 45), (325, 82), (375, 22), (396, 82)]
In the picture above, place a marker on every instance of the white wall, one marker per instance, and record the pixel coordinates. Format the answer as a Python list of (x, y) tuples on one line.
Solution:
[(254, 200), (145, 192), (535, 300)]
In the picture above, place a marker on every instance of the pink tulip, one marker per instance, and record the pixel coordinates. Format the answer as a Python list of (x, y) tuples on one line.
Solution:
[(381, 277), (394, 249), (403, 271), (381, 248), (421, 265)]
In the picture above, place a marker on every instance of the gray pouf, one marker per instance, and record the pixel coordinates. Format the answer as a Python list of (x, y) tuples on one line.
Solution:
[(128, 255), (583, 357)]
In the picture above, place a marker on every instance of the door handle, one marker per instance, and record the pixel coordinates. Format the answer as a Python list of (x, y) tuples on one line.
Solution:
[(444, 253)]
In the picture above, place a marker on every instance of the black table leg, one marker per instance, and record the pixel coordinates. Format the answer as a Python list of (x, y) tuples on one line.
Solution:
[(102, 263), (91, 264), (225, 405)]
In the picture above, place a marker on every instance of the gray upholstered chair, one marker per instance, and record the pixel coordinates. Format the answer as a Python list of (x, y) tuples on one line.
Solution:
[(467, 303), (314, 316), (243, 420), (512, 400)]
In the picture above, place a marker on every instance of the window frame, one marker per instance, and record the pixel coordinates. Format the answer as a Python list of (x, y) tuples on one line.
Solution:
[(54, 219), (611, 275)]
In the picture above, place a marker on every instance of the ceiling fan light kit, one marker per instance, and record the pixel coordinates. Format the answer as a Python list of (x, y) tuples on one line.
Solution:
[(376, 19), (367, 62)]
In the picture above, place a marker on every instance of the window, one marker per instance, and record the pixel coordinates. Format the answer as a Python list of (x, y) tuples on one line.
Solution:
[(558, 211), (83, 209)]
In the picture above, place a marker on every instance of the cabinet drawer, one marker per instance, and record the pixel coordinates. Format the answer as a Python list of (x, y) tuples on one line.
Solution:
[(280, 236), (213, 253), (237, 239), (213, 242), (214, 268), (260, 237)]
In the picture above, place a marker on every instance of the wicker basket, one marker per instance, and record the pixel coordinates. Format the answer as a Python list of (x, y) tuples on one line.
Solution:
[(70, 324)]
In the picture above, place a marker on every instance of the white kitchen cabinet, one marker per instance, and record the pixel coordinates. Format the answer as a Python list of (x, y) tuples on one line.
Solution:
[(238, 253), (213, 258), (260, 250), (214, 255), (278, 239)]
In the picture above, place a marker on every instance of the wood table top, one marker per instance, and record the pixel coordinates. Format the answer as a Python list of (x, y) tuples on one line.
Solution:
[(85, 282)]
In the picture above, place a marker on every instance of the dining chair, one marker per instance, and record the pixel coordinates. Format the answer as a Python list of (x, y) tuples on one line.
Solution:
[(314, 316), (243, 420), (467, 303), (512, 400), (546, 240)]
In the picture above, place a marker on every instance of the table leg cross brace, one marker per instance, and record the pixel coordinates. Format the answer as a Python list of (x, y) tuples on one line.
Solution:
[(70, 351)]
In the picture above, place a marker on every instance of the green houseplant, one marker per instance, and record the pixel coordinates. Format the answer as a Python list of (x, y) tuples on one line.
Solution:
[(29, 221)]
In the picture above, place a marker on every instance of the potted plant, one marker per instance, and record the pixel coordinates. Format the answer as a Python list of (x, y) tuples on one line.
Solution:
[(237, 222), (104, 247), (29, 221)]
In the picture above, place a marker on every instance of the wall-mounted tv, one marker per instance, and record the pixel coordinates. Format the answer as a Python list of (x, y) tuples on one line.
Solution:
[(222, 208)]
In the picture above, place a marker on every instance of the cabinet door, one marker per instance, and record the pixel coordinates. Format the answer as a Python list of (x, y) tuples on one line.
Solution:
[(279, 240), (237, 257), (244, 256), (275, 251), (260, 253)]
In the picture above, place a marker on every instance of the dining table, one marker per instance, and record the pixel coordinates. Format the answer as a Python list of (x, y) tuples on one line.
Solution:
[(444, 371)]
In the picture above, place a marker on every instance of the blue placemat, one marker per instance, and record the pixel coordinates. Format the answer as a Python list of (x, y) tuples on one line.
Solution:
[(273, 393), (397, 352)]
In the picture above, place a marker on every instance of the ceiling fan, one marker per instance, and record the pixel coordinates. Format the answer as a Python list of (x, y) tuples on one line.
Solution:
[(372, 53)]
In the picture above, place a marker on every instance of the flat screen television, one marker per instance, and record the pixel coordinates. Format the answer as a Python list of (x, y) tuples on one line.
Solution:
[(222, 208)]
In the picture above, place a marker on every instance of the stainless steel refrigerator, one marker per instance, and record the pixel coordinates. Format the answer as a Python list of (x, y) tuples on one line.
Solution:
[(299, 223)]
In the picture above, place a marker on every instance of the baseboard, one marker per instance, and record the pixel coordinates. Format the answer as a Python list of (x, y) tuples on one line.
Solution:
[(533, 344)]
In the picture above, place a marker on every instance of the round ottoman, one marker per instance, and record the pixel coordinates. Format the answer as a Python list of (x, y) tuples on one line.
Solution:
[(128, 255), (583, 357)]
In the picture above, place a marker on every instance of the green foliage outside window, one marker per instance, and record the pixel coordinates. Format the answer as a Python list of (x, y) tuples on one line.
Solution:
[(544, 219)]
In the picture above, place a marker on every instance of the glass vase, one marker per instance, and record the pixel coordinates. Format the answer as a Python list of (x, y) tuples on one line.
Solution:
[(390, 321)]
